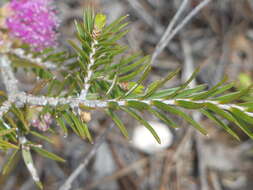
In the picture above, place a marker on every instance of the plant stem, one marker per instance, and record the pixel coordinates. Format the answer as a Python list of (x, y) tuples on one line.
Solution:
[(87, 79)]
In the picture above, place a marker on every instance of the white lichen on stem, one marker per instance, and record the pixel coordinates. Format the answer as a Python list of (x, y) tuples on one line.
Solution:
[(20, 98), (39, 61), (11, 85), (8, 77), (87, 79)]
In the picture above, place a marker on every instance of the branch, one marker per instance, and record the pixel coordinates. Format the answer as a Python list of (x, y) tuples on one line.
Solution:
[(10, 83), (143, 14), (76, 102), (21, 98), (159, 47), (188, 69), (21, 54), (8, 76), (5, 107), (170, 34), (13, 92)]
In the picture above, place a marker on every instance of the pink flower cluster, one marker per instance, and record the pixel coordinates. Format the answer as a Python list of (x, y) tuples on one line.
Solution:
[(34, 22), (43, 123)]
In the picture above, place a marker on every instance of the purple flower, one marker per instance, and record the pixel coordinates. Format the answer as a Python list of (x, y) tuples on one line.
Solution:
[(34, 22), (42, 123)]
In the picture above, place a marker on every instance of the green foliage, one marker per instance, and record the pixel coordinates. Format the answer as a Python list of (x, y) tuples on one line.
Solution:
[(118, 85)]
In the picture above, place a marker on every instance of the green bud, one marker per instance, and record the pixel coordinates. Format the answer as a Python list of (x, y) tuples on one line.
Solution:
[(100, 21)]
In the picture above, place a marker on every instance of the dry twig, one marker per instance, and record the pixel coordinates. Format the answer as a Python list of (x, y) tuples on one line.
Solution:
[(170, 34), (99, 141)]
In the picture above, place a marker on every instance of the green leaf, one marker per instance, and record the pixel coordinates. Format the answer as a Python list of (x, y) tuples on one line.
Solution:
[(47, 154), (118, 36), (12, 124), (87, 131), (231, 117), (10, 162), (142, 121), (6, 144), (183, 86), (220, 112), (173, 110), (26, 64), (127, 60), (191, 92), (70, 122), (137, 105), (131, 75), (20, 116), (243, 125), (163, 93), (43, 137), (163, 117), (134, 65), (207, 94), (77, 124), (61, 123), (232, 96), (248, 104), (89, 19), (27, 157), (81, 127), (188, 104), (242, 114), (158, 84), (79, 28), (102, 61), (114, 25), (6, 132), (220, 123), (222, 89), (138, 83), (82, 53), (118, 122)]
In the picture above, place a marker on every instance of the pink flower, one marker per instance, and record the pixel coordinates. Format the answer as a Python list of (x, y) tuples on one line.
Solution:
[(42, 123), (34, 22)]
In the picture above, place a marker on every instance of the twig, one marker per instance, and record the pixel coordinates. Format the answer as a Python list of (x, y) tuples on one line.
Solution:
[(120, 173), (202, 167), (8, 77), (215, 181), (188, 62), (143, 14), (124, 171), (11, 85), (21, 54), (169, 36), (159, 47), (99, 141), (223, 61), (128, 181), (172, 158), (23, 98), (188, 69)]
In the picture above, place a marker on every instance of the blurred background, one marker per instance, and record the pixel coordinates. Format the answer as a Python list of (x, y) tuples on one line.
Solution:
[(220, 40)]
